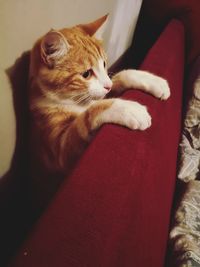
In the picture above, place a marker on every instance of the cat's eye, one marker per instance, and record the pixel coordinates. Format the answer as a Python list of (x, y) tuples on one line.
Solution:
[(87, 74), (104, 64)]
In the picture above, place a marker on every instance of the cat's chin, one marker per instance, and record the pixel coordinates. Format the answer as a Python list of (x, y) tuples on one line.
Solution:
[(98, 94), (99, 97)]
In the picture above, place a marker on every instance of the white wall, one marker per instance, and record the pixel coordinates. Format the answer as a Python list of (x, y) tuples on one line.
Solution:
[(23, 21)]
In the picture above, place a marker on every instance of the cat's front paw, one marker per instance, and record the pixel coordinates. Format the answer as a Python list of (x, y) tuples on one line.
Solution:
[(159, 87), (137, 116), (132, 114)]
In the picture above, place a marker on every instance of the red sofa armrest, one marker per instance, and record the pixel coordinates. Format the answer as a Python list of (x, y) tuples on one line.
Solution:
[(114, 210)]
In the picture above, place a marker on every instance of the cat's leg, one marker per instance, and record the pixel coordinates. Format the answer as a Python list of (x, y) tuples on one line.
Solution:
[(123, 112), (141, 80), (69, 141)]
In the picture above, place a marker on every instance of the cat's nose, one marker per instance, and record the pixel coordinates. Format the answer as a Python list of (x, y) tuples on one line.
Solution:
[(108, 86)]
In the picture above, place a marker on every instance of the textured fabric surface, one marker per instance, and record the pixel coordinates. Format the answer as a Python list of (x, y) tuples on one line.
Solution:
[(185, 233), (190, 144), (114, 210)]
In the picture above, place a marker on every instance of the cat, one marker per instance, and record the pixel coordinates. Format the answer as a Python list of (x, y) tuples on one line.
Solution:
[(69, 85)]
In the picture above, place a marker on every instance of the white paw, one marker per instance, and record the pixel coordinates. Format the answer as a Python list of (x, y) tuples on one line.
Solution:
[(142, 80), (158, 87), (130, 114)]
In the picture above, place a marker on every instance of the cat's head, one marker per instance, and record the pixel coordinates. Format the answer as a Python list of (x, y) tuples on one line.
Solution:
[(71, 63)]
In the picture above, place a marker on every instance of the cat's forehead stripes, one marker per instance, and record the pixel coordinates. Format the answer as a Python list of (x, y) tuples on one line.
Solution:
[(91, 52), (84, 48)]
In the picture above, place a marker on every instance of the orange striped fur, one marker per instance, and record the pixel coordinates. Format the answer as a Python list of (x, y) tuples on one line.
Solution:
[(68, 86)]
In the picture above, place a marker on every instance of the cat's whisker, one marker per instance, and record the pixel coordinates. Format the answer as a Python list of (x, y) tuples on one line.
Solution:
[(77, 98), (88, 99), (84, 99), (81, 98)]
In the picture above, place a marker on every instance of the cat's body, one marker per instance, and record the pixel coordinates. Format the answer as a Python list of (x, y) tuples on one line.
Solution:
[(68, 86)]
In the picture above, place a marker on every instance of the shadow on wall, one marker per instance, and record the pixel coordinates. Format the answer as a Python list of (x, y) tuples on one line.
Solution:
[(13, 194)]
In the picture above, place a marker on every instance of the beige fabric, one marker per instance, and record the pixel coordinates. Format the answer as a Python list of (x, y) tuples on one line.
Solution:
[(190, 144), (185, 234)]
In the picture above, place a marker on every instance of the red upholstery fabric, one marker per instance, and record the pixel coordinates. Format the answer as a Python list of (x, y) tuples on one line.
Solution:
[(114, 210)]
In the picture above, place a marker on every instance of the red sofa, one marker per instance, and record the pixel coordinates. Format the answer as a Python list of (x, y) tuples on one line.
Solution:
[(114, 210)]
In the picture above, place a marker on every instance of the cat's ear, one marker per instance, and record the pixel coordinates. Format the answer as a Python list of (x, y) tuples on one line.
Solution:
[(95, 28), (53, 47)]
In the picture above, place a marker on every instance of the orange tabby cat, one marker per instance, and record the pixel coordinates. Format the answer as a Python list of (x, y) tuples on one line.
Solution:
[(68, 86)]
